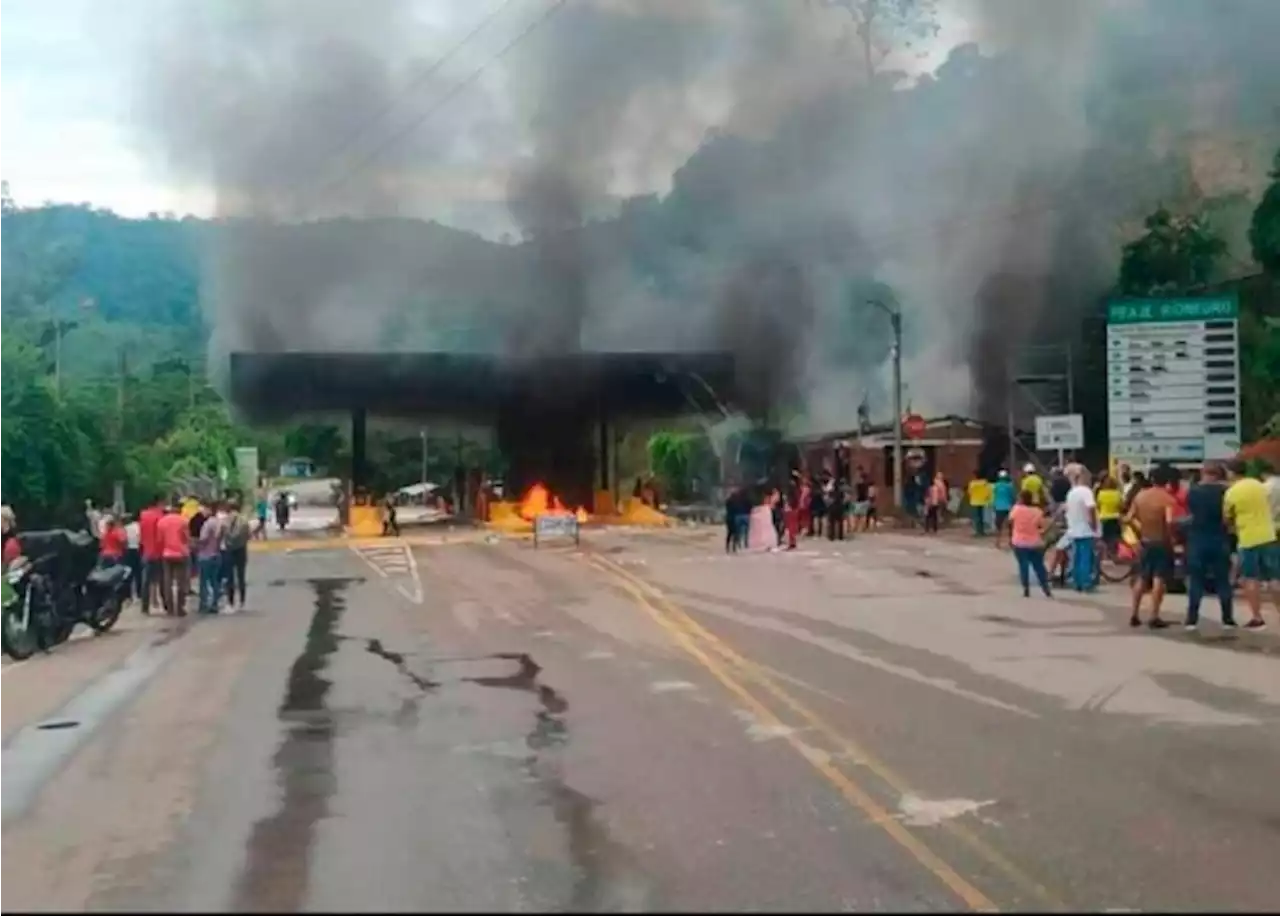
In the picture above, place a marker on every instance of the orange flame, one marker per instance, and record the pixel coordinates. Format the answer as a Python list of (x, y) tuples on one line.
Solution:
[(541, 501)]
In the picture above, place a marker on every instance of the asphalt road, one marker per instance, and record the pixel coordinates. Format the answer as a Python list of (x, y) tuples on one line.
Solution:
[(644, 724)]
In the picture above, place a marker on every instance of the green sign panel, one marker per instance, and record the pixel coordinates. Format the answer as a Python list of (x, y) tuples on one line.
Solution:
[(1142, 311)]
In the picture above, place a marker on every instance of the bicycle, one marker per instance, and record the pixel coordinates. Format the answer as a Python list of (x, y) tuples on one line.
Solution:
[(1118, 559)]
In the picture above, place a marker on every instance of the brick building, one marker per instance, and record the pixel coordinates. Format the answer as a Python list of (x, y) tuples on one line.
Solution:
[(951, 444)]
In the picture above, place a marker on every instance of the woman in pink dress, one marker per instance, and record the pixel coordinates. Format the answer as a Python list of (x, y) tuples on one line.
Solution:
[(762, 535)]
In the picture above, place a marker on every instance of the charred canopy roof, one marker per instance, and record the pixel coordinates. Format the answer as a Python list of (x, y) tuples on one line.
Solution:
[(479, 387)]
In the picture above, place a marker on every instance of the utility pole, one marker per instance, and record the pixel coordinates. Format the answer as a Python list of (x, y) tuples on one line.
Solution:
[(895, 322), (424, 466), (57, 357), (60, 328), (1071, 390), (120, 383)]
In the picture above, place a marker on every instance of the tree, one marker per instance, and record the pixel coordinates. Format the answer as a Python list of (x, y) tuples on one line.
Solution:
[(678, 458), (1264, 229), (883, 25), (1176, 254)]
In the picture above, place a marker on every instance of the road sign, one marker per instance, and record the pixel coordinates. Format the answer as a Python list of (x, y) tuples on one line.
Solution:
[(560, 524), (1173, 379), (1059, 432), (913, 426)]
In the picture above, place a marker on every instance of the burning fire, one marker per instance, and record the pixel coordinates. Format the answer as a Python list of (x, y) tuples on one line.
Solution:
[(540, 501)]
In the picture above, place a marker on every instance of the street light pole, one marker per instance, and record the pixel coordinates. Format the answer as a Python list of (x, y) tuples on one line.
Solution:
[(424, 466), (895, 321)]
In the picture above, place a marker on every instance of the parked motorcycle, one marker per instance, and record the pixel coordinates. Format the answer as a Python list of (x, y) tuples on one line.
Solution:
[(56, 583)]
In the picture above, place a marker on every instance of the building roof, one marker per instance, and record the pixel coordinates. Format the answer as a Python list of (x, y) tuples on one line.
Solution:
[(477, 387), (881, 429)]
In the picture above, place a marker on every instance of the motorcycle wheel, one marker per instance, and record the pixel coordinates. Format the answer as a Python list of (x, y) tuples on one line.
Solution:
[(62, 631), (105, 617), (19, 639)]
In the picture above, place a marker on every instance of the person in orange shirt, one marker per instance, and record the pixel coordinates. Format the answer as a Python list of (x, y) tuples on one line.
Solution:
[(1027, 523), (175, 555), (149, 547)]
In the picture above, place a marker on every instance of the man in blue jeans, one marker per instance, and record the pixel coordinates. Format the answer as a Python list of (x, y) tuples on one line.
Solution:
[(1208, 552), (1082, 529), (207, 550)]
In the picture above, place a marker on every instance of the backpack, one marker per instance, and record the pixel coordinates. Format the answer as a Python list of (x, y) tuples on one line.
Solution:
[(238, 532)]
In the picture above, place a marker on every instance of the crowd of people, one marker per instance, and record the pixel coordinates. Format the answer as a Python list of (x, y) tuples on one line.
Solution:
[(766, 517), (1211, 532), (1159, 527), (176, 550)]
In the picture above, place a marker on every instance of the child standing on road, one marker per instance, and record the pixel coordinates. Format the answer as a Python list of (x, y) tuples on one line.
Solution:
[(1027, 523)]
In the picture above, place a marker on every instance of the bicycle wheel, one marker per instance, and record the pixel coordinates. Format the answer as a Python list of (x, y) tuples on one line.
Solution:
[(1117, 564)]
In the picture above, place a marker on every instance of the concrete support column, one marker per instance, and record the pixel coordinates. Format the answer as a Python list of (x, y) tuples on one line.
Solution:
[(605, 462), (359, 449)]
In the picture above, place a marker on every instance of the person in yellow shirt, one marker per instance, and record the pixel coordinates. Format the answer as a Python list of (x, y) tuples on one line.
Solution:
[(979, 494), (1033, 483), (1110, 505), (1249, 513)]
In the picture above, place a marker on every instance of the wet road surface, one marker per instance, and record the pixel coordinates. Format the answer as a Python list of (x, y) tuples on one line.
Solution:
[(644, 724)]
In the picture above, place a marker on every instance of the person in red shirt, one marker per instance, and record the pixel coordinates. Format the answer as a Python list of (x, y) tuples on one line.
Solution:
[(175, 555), (12, 546), (149, 544), (112, 541)]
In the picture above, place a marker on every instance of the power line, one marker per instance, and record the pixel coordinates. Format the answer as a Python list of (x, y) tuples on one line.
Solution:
[(417, 123), (354, 135)]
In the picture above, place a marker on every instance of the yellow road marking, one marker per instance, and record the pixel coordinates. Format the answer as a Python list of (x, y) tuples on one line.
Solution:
[(850, 790), (849, 748)]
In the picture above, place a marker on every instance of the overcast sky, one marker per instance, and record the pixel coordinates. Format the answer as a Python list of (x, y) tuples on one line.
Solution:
[(69, 80), (69, 83)]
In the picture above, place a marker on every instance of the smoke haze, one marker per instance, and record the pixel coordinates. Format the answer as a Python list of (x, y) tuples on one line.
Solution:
[(702, 174)]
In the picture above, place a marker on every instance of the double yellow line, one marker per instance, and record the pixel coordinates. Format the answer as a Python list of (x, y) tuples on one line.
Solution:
[(735, 672)]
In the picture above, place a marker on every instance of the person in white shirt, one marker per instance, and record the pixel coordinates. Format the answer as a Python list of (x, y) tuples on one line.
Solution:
[(93, 518), (1271, 480), (1082, 529), (133, 553)]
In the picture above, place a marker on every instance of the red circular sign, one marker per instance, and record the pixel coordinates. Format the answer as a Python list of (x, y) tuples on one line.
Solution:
[(913, 426)]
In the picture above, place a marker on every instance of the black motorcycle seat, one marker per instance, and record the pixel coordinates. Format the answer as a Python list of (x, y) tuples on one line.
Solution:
[(108, 575), (82, 540)]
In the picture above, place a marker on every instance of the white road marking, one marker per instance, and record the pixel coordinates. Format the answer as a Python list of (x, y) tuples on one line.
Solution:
[(922, 812), (416, 595), (394, 560), (670, 686), (758, 732)]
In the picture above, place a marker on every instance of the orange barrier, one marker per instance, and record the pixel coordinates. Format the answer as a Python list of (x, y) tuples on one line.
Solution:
[(365, 521)]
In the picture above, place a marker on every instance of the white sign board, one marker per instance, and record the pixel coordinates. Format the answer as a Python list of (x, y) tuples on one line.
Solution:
[(1173, 380), (559, 524), (1060, 432)]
